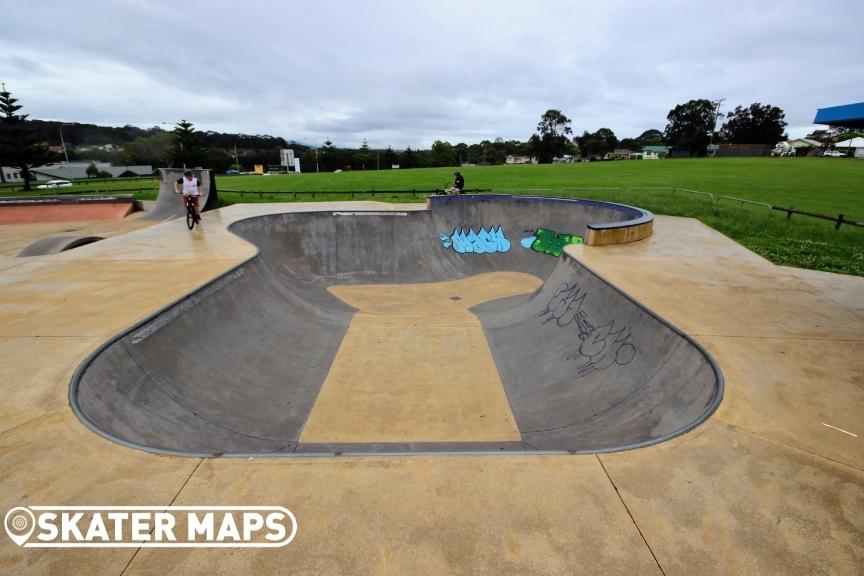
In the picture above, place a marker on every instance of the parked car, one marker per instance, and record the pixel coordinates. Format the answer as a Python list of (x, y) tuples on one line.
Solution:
[(55, 184), (834, 153), (232, 171)]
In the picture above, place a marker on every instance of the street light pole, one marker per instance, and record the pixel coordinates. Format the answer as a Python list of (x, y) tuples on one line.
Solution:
[(63, 143), (716, 106)]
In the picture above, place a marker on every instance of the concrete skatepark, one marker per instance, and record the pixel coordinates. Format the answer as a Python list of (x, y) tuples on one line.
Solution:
[(761, 487)]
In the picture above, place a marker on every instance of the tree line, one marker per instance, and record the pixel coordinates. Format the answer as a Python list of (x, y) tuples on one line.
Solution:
[(690, 127)]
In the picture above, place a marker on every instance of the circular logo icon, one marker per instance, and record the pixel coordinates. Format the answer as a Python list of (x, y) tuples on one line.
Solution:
[(19, 523)]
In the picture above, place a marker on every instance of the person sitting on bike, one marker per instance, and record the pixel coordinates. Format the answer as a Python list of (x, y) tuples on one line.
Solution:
[(189, 187), (458, 185)]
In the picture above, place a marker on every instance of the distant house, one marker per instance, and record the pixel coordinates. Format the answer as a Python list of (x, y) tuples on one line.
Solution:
[(73, 170), (854, 146), (655, 152), (619, 154), (511, 159), (805, 143), (712, 149), (798, 147), (565, 159), (10, 174), (103, 147)]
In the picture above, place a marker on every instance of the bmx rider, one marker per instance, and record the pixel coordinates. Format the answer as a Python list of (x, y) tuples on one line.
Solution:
[(189, 187)]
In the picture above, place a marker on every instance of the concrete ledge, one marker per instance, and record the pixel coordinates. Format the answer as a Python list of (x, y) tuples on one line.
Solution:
[(602, 236)]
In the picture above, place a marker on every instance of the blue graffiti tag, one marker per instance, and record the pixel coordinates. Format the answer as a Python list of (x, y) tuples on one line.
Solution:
[(482, 242)]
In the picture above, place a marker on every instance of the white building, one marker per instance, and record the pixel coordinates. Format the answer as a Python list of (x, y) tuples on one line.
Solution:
[(511, 159), (10, 174), (854, 146), (76, 170)]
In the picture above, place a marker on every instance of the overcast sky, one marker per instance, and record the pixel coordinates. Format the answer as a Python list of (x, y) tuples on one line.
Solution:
[(405, 73)]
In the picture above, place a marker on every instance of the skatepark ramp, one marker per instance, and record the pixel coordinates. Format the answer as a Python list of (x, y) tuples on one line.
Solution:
[(349, 329), (168, 205), (56, 244), (71, 208)]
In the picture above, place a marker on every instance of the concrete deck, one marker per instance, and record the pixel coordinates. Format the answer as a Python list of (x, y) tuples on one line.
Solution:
[(763, 487)]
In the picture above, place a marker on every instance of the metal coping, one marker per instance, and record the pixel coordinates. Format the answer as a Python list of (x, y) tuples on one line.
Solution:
[(82, 368)]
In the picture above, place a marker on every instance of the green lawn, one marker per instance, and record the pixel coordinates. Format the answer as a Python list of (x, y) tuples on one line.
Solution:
[(829, 185), (826, 185)]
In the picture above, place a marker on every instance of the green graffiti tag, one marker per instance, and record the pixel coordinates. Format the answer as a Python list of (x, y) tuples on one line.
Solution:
[(550, 242)]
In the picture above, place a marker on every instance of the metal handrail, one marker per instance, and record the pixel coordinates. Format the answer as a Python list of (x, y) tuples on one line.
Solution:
[(742, 201)]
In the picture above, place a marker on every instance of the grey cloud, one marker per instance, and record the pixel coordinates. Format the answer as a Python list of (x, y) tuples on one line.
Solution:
[(408, 73)]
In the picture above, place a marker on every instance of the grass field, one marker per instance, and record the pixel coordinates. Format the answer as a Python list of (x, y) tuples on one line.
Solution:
[(826, 185), (830, 185)]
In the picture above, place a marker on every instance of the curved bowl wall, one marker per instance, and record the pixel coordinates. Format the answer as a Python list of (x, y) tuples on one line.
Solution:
[(585, 368)]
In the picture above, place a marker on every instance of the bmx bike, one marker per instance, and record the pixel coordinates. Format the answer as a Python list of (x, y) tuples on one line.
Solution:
[(449, 190), (191, 217)]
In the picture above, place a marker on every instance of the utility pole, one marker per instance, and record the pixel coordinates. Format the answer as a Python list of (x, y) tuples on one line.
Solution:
[(716, 104), (62, 143)]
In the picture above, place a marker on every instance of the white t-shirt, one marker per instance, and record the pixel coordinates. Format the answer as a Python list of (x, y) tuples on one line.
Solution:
[(190, 187)]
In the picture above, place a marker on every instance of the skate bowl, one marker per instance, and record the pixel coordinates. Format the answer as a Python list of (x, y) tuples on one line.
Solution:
[(466, 327)]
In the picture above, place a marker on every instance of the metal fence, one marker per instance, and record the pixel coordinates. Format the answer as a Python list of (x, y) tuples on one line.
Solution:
[(18, 186), (716, 200), (838, 220), (353, 193)]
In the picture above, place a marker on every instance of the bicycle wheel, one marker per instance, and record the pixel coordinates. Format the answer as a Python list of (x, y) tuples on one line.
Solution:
[(190, 217)]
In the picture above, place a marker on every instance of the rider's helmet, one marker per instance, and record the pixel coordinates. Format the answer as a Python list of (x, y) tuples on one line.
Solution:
[(188, 173)]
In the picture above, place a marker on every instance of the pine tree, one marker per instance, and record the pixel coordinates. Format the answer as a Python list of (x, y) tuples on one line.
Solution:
[(186, 150), (19, 147), (363, 155)]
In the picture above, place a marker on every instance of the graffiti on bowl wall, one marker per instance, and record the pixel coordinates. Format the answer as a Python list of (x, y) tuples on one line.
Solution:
[(599, 347), (550, 242), (482, 242)]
